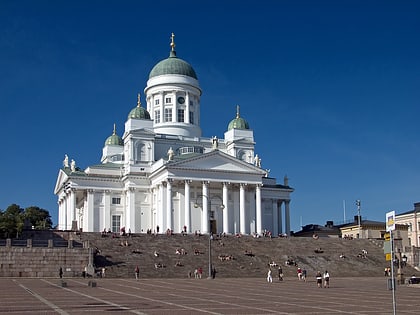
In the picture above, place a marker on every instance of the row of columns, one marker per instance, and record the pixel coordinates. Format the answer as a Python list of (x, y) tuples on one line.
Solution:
[(166, 208)]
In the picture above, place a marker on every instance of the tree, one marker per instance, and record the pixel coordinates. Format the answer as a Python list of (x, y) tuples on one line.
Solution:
[(11, 221), (38, 218)]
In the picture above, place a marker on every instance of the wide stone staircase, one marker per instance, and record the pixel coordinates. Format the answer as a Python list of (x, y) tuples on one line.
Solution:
[(249, 256)]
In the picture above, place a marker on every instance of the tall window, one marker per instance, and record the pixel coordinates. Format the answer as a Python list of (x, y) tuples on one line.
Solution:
[(180, 115), (116, 223), (191, 117), (168, 114), (157, 116), (168, 100), (157, 102)]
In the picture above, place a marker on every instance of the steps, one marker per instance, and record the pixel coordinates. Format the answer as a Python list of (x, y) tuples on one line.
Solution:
[(120, 260)]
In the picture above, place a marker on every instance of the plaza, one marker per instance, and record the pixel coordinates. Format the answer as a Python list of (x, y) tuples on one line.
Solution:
[(203, 296)]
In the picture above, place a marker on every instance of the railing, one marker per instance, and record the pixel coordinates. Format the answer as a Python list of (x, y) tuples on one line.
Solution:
[(50, 243)]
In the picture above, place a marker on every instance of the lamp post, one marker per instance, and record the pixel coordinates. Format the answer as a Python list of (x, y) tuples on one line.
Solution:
[(358, 204), (222, 206)]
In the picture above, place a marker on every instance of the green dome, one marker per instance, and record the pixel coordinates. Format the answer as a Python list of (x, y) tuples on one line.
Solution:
[(238, 122), (139, 112), (173, 65), (114, 139)]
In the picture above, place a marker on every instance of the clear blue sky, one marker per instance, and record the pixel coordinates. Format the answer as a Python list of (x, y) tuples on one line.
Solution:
[(330, 88)]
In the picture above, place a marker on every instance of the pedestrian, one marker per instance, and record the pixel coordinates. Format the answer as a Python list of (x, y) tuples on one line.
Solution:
[(299, 273), (326, 279), (103, 272), (269, 278), (304, 275), (280, 274), (137, 272), (213, 272), (60, 272), (319, 279)]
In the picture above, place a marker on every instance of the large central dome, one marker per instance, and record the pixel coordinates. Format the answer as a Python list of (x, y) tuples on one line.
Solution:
[(173, 65)]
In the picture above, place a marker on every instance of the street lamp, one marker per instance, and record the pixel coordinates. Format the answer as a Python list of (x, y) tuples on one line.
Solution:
[(221, 206), (358, 204)]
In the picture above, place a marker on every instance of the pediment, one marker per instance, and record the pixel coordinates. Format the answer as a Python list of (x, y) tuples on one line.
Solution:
[(61, 180), (215, 161)]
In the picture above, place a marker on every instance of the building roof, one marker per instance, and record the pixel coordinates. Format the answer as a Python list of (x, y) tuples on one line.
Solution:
[(173, 65), (138, 112), (238, 122)]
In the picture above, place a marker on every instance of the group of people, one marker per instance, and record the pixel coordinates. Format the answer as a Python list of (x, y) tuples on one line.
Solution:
[(321, 279), (325, 277)]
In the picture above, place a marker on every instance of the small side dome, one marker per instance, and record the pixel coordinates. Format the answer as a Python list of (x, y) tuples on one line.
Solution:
[(173, 65), (114, 139), (238, 122), (138, 112)]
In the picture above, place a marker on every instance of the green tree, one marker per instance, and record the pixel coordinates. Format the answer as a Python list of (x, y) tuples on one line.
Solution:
[(39, 218), (11, 221)]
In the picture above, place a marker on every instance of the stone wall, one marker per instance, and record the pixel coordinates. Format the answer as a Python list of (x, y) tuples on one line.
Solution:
[(42, 261)]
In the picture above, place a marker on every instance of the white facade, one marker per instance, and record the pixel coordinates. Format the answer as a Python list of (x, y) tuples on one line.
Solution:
[(412, 220), (163, 173)]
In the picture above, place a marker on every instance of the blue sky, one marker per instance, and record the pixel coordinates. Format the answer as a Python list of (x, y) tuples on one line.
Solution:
[(330, 88)]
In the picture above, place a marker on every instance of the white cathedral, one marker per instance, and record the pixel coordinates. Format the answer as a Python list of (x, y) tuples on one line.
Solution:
[(164, 175)]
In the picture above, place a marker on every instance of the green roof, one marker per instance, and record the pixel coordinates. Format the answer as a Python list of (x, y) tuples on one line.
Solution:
[(238, 122), (114, 139), (173, 65)]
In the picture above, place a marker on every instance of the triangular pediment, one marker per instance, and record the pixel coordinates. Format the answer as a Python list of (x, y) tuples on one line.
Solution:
[(61, 180), (215, 161)]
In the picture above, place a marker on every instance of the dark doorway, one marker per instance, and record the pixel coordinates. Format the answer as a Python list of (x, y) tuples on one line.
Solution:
[(213, 226)]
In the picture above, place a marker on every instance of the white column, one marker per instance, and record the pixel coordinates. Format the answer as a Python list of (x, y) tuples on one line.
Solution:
[(160, 209), (169, 205), (287, 216), (72, 207), (131, 210), (280, 222), (275, 230), (242, 217), (107, 209), (226, 209), (205, 217), (187, 111), (258, 216), (90, 210), (187, 206)]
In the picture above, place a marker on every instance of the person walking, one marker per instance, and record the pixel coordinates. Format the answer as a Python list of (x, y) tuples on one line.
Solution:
[(280, 274), (137, 272), (269, 277), (60, 272), (319, 279), (326, 279)]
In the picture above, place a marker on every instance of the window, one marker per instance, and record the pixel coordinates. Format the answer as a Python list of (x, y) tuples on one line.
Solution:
[(168, 114), (157, 102), (157, 116), (180, 115), (116, 200), (168, 100), (191, 103), (116, 223), (191, 118)]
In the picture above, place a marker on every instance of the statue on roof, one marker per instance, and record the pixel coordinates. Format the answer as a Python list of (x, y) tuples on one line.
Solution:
[(171, 154), (66, 161), (73, 165), (257, 161), (215, 143)]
